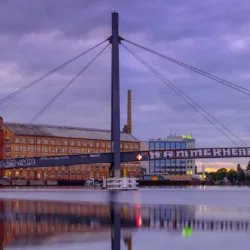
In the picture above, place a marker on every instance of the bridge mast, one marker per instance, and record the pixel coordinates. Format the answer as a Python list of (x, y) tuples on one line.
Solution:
[(115, 98)]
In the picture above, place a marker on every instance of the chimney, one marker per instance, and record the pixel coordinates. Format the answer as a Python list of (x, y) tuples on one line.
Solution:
[(129, 112)]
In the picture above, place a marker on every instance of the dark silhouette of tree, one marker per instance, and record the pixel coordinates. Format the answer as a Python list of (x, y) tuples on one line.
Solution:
[(248, 165)]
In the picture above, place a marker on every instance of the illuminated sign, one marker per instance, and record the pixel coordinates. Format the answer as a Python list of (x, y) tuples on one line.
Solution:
[(199, 153), (187, 137)]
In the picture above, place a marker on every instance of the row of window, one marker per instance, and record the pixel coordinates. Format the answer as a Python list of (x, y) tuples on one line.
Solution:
[(38, 149), (167, 145), (68, 143), (169, 162)]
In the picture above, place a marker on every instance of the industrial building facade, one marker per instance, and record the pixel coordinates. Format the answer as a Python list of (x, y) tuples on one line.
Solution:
[(179, 167), (28, 140)]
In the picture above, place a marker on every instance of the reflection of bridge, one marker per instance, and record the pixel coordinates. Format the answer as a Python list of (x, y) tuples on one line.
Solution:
[(26, 221)]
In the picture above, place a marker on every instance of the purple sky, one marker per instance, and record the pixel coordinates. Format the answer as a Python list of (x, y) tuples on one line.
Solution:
[(36, 36)]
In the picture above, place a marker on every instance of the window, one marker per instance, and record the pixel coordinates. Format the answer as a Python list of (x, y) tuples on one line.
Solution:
[(91, 144), (126, 146), (91, 167), (85, 174), (85, 167), (24, 140), (136, 146), (121, 146), (157, 145), (66, 173), (45, 141), (72, 150), (178, 145), (45, 149), (17, 148), (32, 141), (172, 145), (66, 150), (103, 145), (79, 173), (31, 148), (52, 142), (109, 145), (183, 145), (59, 150), (103, 167), (16, 140), (79, 166), (24, 149), (151, 145), (97, 168), (72, 167), (78, 143), (65, 143), (52, 150), (72, 143), (131, 146), (59, 142), (79, 151), (38, 149), (85, 144), (162, 145), (97, 145), (38, 141), (72, 173)]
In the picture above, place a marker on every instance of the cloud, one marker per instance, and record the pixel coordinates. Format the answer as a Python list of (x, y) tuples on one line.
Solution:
[(213, 36)]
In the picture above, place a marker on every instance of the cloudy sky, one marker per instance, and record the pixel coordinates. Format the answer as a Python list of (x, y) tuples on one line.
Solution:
[(37, 36)]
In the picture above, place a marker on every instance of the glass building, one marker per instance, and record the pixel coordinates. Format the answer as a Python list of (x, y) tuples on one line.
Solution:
[(175, 166)]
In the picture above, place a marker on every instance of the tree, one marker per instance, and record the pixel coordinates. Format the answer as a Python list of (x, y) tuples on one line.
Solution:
[(232, 175), (248, 165), (241, 173), (221, 174)]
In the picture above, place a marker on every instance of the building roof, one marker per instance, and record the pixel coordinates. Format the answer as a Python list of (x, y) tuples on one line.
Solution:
[(64, 132)]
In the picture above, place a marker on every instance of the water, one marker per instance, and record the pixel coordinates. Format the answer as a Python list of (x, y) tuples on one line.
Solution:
[(164, 214)]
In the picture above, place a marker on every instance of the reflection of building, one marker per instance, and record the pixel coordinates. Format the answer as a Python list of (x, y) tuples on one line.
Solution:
[(175, 166), (31, 228), (28, 140)]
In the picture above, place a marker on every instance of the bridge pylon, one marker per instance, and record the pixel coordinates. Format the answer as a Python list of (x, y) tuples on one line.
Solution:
[(117, 181)]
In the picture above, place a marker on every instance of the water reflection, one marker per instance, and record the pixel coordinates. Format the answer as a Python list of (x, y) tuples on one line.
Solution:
[(40, 222)]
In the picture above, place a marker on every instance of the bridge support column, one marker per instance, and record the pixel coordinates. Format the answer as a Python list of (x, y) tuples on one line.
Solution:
[(115, 98)]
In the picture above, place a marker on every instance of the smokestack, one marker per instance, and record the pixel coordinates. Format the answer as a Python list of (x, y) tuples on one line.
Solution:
[(129, 113)]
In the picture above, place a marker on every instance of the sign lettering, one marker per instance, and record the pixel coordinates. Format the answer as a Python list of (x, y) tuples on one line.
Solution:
[(200, 153)]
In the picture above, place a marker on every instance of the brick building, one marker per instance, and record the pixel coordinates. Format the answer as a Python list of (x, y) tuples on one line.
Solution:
[(27, 140)]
